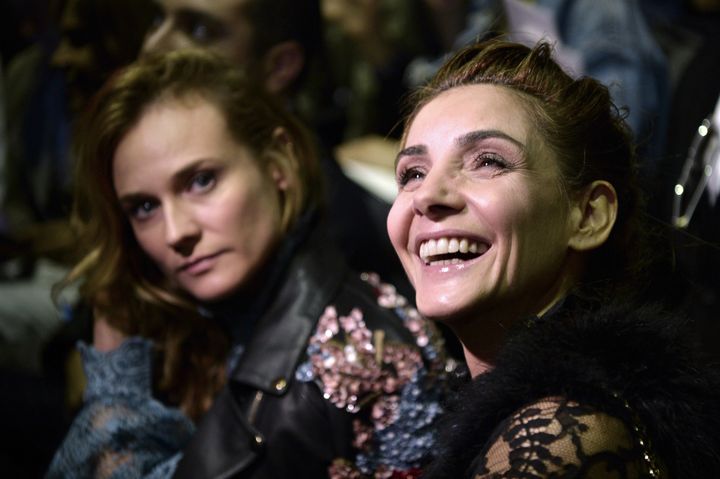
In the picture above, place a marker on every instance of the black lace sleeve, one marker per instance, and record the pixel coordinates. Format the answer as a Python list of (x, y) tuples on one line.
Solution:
[(555, 437)]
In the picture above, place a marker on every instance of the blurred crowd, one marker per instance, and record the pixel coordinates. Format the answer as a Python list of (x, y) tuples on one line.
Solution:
[(346, 69)]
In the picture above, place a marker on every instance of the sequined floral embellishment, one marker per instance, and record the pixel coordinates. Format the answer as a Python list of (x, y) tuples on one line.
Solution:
[(341, 469), (354, 365), (426, 334), (393, 389)]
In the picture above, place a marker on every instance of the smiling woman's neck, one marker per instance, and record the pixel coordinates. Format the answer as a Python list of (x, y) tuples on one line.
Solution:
[(482, 339), (484, 335)]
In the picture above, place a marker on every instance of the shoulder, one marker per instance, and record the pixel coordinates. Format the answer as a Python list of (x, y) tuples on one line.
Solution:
[(631, 362), (557, 436)]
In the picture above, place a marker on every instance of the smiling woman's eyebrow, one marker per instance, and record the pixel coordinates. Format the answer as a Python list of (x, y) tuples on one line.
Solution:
[(411, 151), (472, 137)]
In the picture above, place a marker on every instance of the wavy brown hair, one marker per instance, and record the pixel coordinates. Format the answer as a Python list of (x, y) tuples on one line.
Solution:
[(116, 277), (578, 121)]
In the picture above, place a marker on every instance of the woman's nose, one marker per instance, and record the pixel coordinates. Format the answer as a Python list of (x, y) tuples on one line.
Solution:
[(182, 230), (438, 195)]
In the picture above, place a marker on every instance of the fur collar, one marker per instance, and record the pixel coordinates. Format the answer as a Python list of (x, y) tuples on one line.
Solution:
[(587, 354)]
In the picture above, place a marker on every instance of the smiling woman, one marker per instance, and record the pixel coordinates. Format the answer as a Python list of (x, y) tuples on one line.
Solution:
[(480, 179), (518, 223), (231, 340)]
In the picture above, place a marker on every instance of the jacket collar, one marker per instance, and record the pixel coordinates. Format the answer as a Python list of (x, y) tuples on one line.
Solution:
[(226, 441), (281, 333)]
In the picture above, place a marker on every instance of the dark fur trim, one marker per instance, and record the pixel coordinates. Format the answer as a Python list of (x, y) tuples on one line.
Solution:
[(586, 355)]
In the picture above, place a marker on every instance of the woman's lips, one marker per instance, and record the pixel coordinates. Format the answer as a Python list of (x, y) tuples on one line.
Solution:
[(447, 250), (200, 265)]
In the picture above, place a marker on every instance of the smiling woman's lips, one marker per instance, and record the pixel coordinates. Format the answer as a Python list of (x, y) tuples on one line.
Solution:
[(451, 250)]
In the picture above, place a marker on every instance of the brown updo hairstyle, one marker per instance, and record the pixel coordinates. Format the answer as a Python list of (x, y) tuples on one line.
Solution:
[(579, 123), (121, 283)]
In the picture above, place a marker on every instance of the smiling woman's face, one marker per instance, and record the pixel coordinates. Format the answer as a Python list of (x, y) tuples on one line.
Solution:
[(198, 202), (481, 222)]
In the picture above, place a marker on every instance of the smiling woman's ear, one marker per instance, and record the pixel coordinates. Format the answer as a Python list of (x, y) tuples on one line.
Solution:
[(593, 216)]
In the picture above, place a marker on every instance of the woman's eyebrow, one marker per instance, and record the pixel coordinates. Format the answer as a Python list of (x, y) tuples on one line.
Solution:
[(472, 137), (411, 151), (461, 142)]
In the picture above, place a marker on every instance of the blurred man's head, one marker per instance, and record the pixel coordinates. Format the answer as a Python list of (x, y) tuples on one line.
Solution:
[(273, 39), (96, 38)]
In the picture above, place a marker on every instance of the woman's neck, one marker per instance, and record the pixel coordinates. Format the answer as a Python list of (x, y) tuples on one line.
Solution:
[(484, 335)]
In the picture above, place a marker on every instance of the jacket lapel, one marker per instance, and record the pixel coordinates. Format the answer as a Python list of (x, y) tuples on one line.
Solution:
[(226, 441)]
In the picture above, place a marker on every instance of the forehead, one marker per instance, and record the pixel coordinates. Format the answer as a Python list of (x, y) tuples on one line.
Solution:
[(171, 128), (470, 108), (225, 10)]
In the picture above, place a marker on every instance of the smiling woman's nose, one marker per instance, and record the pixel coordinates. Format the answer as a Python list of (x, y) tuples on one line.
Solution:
[(182, 231), (437, 195)]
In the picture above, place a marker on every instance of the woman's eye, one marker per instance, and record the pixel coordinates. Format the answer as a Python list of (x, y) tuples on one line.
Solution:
[(409, 175), (489, 160), (143, 210), (202, 181)]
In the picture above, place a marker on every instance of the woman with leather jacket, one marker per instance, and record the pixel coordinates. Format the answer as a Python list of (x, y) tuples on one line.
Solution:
[(230, 338)]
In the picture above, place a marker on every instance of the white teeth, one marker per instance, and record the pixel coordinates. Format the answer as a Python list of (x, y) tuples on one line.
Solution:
[(431, 247), (464, 245), (448, 245), (442, 246)]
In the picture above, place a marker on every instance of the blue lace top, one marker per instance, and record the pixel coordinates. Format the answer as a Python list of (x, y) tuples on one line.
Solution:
[(121, 432)]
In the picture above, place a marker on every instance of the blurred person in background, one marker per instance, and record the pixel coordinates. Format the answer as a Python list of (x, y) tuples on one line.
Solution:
[(610, 41), (686, 187), (74, 46)]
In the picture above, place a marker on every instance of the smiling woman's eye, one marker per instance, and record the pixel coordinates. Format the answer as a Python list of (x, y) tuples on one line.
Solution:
[(489, 160), (202, 181), (409, 175)]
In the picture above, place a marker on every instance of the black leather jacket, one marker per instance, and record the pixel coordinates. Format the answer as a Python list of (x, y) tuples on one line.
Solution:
[(267, 423)]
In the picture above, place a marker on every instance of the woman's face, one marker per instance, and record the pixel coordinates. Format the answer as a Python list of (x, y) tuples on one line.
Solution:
[(480, 221), (198, 202)]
